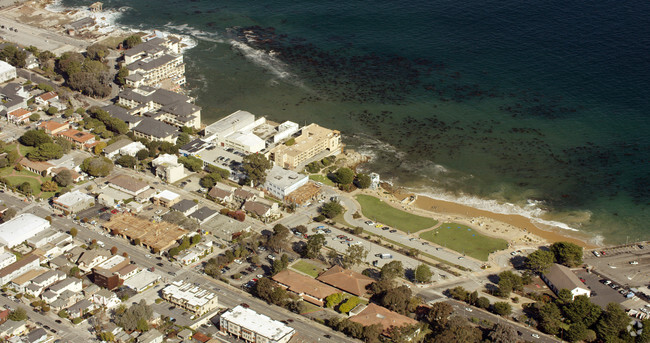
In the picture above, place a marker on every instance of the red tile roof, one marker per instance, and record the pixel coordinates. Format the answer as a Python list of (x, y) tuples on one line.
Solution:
[(19, 112), (51, 125), (77, 136), (48, 96), (375, 314), (347, 280)]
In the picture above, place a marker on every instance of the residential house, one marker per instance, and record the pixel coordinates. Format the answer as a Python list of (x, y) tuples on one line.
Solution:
[(203, 214), (188, 257), (262, 209), (152, 336), (13, 96), (20, 282), (92, 258), (38, 336), (46, 98), (127, 271), (560, 277), (166, 198), (7, 258), (12, 328), (186, 206), (18, 268), (52, 128), (168, 168), (128, 184), (71, 284), (106, 299), (222, 193), (19, 116), (80, 308), (113, 150), (78, 138), (346, 280), (242, 195)]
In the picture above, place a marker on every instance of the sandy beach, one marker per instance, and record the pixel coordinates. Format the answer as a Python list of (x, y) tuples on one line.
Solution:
[(518, 230)]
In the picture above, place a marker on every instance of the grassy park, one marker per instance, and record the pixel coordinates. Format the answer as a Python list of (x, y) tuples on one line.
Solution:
[(307, 268), (321, 178), (465, 240), (375, 209)]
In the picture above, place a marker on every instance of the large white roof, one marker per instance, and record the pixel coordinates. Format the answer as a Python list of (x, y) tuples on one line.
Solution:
[(4, 67), (21, 228), (259, 323), (72, 198)]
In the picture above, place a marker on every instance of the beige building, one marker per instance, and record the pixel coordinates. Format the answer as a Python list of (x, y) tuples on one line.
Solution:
[(197, 300), (313, 140)]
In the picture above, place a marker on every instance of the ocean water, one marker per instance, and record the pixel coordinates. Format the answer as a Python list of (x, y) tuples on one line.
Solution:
[(535, 108)]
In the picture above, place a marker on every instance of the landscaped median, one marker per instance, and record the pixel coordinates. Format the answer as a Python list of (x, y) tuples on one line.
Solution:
[(465, 240), (377, 210)]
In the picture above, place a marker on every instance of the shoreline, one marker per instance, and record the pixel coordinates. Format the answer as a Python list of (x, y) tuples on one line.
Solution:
[(517, 229), (496, 224)]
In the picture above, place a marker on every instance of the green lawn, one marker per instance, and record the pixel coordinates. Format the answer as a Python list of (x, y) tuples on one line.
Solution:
[(375, 209), (307, 268), (24, 150), (321, 178), (27, 176), (465, 240)]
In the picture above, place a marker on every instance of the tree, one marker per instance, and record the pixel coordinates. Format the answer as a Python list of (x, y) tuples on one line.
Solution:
[(65, 144), (503, 333), (566, 253), (63, 178), (362, 181), (397, 299), (34, 138), (333, 300), (99, 148), (107, 336), (45, 152), (73, 232), (612, 325), (97, 52), (348, 305), (423, 273), (548, 316), (133, 317), (34, 117), (131, 41), (331, 209), (183, 138), (120, 77), (13, 55), (113, 250), (502, 308), (564, 296), (126, 161), (142, 154), (483, 303), (191, 163), (438, 315), (459, 293), (9, 214), (371, 333), (458, 330), (392, 270), (26, 188), (509, 281), (52, 111), (539, 261), (97, 166), (355, 254), (576, 332), (344, 176), (49, 186), (314, 244), (255, 166), (18, 314), (263, 289), (142, 325)]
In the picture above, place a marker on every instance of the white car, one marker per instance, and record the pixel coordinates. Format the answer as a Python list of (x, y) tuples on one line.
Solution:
[(634, 263), (468, 309), (535, 335)]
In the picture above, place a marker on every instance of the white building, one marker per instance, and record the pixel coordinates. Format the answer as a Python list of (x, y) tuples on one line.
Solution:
[(189, 257), (18, 268), (285, 130), (168, 168), (21, 228), (197, 300), (142, 280), (280, 182), (235, 131), (245, 141), (7, 72), (48, 236), (73, 202), (374, 180), (560, 277), (251, 326), (6, 258), (106, 298), (166, 198)]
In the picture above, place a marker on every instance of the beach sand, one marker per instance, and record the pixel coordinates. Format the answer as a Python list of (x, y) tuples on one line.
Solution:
[(518, 230)]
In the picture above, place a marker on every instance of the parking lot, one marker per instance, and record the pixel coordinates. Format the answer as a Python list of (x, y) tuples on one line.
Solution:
[(623, 265), (601, 294)]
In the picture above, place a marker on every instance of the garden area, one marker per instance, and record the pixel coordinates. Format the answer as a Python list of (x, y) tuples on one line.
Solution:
[(307, 268), (375, 209), (465, 240)]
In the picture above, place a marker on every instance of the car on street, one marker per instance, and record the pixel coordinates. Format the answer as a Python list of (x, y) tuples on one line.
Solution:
[(369, 222), (392, 231), (634, 262), (535, 335), (385, 228), (468, 309)]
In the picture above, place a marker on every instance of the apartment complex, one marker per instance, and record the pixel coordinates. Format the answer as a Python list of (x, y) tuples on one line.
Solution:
[(312, 141), (156, 62), (194, 299), (251, 326), (161, 104)]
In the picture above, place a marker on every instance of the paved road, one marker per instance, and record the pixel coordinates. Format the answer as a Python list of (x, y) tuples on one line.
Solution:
[(42, 39), (460, 309), (409, 240)]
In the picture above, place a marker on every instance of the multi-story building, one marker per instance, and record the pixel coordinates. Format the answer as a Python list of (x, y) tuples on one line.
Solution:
[(312, 141), (168, 168), (235, 131), (18, 268), (73, 202), (167, 106), (253, 327), (7, 72), (79, 138), (280, 182), (194, 299)]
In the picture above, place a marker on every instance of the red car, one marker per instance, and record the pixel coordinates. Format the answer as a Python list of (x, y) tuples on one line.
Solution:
[(114, 211)]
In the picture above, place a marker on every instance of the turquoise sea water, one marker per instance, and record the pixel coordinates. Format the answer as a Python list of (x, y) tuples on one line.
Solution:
[(542, 106)]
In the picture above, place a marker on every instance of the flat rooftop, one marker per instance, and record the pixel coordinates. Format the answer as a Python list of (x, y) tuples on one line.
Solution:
[(259, 323)]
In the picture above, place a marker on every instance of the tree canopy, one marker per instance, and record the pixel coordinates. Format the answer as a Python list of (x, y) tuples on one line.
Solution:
[(331, 209), (314, 244), (566, 253), (34, 138), (97, 166), (539, 261), (255, 166), (344, 176), (392, 270)]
